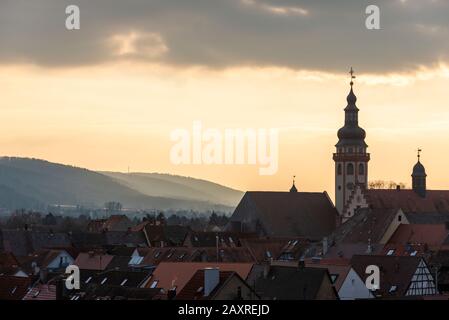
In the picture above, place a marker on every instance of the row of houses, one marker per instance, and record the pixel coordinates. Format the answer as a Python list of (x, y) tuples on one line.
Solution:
[(281, 245)]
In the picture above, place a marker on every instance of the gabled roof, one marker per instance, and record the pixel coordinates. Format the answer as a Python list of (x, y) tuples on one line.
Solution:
[(394, 271), (338, 269), (194, 288), (154, 256), (225, 239), (13, 288), (93, 261), (367, 225), (41, 292), (266, 249), (87, 240), (170, 274), (117, 278), (289, 214), (430, 234), (8, 264), (125, 238), (291, 283), (398, 249), (21, 242), (171, 234), (111, 223), (435, 201), (120, 293), (41, 257)]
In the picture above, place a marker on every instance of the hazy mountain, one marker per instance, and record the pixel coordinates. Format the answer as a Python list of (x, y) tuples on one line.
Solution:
[(32, 183), (166, 185)]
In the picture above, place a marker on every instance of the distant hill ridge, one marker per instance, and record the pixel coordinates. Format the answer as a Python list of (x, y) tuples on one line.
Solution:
[(34, 183)]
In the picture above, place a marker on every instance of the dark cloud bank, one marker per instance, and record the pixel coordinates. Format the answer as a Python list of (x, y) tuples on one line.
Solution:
[(317, 34)]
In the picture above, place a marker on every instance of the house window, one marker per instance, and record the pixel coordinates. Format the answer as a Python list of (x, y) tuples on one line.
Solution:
[(399, 218), (154, 284), (339, 169), (361, 168), (392, 289), (350, 169), (390, 252)]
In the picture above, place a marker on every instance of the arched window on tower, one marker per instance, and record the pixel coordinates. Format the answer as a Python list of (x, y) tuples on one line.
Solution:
[(350, 169), (361, 168), (339, 169)]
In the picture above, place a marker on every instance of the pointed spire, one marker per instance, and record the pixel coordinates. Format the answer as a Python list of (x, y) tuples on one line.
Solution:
[(351, 72), (293, 188), (351, 99)]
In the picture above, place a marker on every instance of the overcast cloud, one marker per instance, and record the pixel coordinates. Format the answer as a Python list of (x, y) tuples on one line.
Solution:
[(326, 35)]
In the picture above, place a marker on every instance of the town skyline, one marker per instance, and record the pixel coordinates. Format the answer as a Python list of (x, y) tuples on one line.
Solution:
[(109, 98)]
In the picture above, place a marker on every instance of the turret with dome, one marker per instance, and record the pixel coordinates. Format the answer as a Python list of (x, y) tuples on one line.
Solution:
[(351, 158)]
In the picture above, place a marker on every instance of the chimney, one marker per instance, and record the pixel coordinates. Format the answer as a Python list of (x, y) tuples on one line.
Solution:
[(266, 270), (60, 289), (171, 294), (211, 280), (398, 187), (43, 275), (325, 246)]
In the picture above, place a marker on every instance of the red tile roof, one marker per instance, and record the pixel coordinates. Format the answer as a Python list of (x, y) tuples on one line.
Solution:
[(170, 274), (396, 249), (154, 256), (13, 288), (194, 288), (41, 292), (8, 263), (92, 261), (409, 201), (430, 234), (394, 271)]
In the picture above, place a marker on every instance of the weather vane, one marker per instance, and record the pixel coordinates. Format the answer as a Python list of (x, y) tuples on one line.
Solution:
[(419, 153), (351, 72)]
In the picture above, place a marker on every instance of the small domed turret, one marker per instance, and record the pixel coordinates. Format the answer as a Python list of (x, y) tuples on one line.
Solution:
[(419, 177)]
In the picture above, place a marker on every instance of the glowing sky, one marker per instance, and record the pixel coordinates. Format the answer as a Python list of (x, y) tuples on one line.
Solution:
[(110, 106)]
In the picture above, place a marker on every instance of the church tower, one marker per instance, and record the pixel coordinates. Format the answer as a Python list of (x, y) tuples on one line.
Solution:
[(419, 177), (351, 158)]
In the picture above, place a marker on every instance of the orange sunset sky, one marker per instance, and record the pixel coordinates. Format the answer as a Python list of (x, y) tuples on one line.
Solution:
[(111, 113)]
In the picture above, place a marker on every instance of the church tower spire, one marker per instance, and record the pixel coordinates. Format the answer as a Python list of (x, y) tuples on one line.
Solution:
[(351, 158), (419, 177), (293, 188)]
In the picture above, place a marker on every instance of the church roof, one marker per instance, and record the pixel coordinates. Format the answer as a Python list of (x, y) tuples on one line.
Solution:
[(435, 201), (289, 214)]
